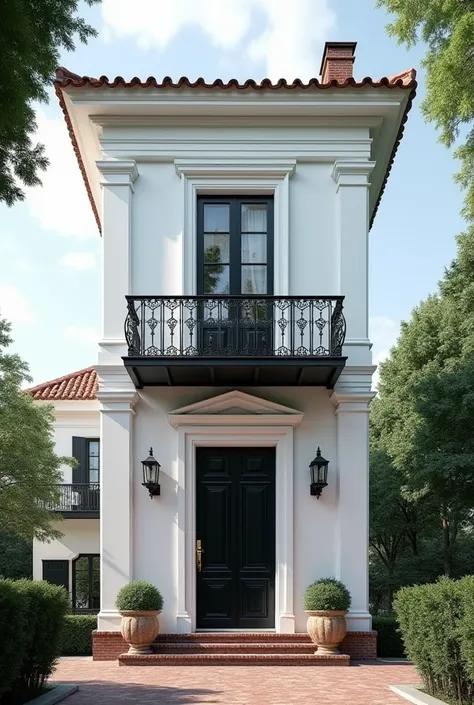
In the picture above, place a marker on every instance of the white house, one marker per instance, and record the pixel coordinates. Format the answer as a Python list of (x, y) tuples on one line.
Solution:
[(235, 225)]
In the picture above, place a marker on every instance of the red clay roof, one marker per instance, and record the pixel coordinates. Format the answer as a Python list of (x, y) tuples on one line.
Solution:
[(64, 79), (77, 386)]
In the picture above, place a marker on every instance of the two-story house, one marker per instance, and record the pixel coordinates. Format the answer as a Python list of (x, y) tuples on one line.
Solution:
[(235, 224)]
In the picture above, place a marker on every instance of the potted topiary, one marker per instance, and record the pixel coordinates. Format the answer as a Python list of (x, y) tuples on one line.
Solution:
[(326, 603), (139, 604)]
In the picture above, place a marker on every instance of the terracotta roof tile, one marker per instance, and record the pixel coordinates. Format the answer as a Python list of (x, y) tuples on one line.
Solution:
[(81, 385), (64, 79)]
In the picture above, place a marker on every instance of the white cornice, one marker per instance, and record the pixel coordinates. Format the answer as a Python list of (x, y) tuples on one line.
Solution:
[(352, 173), (235, 167), (118, 172), (233, 121)]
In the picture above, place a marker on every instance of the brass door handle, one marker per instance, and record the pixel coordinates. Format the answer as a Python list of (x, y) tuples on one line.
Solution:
[(199, 552)]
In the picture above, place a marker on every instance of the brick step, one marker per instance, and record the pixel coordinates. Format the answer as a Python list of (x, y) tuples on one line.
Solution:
[(233, 637), (187, 647), (233, 659)]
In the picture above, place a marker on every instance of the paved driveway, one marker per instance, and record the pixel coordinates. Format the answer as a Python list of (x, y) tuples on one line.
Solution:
[(105, 683)]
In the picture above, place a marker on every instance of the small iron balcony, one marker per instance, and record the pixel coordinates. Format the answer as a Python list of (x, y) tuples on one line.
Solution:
[(79, 500), (235, 340)]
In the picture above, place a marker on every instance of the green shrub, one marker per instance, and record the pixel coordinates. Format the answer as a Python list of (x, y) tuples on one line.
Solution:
[(13, 627), (47, 606), (77, 634), (139, 595), (436, 622), (327, 594), (389, 639)]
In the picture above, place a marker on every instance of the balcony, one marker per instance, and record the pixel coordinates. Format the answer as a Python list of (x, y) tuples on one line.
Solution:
[(234, 340), (78, 501)]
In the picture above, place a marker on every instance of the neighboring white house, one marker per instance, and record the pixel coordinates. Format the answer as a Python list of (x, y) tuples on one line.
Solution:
[(235, 219)]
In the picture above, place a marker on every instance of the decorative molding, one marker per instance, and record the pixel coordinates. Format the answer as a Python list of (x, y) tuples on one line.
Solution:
[(193, 120), (237, 176), (352, 173), (115, 172), (351, 402), (190, 437), (240, 168), (234, 408)]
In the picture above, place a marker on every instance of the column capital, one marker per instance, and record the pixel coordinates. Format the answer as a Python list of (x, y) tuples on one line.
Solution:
[(123, 172), (353, 173), (351, 402)]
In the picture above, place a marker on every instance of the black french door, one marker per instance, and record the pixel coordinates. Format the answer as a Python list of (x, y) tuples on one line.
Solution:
[(235, 263), (235, 532)]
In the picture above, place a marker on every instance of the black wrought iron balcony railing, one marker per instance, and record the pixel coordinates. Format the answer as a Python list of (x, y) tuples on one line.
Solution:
[(188, 332), (79, 498)]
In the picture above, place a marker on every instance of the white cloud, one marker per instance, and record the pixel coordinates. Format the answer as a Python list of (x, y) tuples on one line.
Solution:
[(61, 203), (384, 332), (14, 305), (80, 261), (289, 43), (82, 334), (23, 265)]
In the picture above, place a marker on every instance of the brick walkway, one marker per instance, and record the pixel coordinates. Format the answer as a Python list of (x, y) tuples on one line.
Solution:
[(105, 683)]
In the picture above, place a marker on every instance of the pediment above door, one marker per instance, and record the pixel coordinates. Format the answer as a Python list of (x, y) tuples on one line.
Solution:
[(234, 408)]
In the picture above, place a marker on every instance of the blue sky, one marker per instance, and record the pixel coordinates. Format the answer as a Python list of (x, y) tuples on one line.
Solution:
[(50, 249)]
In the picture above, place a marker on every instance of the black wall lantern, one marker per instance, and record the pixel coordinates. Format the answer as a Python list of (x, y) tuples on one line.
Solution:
[(151, 475), (319, 474)]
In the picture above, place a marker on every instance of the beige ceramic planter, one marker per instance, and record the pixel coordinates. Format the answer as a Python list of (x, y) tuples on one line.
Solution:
[(140, 629), (327, 629)]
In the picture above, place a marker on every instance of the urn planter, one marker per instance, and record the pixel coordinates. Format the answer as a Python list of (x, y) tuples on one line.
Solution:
[(327, 628), (140, 628)]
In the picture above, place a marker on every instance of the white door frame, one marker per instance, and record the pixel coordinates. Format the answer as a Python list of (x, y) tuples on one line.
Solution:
[(245, 435)]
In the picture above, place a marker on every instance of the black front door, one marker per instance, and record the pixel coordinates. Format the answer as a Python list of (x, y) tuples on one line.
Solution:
[(236, 527)]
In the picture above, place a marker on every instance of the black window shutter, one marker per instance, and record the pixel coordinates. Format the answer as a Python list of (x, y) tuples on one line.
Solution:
[(57, 573), (79, 473)]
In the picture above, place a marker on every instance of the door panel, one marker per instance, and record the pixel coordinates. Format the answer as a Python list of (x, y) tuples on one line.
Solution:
[(236, 526)]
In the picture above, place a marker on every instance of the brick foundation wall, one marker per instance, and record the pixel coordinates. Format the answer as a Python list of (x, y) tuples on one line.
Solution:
[(361, 646), (107, 646)]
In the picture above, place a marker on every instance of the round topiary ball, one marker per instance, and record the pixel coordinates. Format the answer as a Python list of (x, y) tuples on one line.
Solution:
[(327, 594), (139, 596)]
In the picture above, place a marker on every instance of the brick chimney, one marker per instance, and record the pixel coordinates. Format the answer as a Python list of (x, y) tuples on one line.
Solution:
[(337, 62)]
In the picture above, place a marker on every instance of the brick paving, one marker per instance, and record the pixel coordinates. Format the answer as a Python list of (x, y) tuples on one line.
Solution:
[(105, 683)]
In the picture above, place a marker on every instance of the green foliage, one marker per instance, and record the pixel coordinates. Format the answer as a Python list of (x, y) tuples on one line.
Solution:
[(327, 594), (389, 639), (47, 606), (436, 623), (77, 634), (139, 595), (447, 28), (32, 35), (30, 467), (13, 626), (16, 557), (31, 621)]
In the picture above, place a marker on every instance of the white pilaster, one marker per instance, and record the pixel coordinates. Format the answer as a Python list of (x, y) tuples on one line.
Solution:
[(118, 398), (352, 532), (117, 182), (352, 227)]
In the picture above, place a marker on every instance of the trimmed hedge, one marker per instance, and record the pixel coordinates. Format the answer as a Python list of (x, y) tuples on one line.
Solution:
[(389, 639), (13, 608), (77, 634), (437, 626), (327, 594), (139, 595), (36, 610)]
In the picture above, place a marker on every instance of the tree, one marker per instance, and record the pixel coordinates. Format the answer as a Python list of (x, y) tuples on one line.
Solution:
[(16, 557), (447, 27), (29, 467), (32, 33)]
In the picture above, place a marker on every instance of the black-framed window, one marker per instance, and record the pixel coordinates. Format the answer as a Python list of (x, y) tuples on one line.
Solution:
[(86, 583), (56, 572), (235, 245), (87, 453)]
